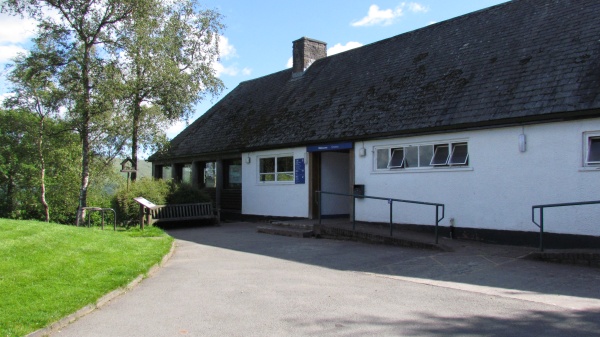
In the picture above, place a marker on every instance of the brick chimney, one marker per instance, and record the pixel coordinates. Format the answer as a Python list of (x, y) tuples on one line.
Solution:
[(305, 52)]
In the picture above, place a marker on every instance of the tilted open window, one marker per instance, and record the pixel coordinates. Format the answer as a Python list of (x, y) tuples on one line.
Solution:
[(421, 156)]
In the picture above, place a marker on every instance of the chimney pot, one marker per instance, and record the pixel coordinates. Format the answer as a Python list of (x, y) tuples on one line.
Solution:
[(305, 52)]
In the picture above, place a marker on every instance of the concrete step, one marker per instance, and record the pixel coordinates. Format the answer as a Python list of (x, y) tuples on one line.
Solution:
[(285, 231), (297, 230), (412, 241), (581, 257), (285, 224)]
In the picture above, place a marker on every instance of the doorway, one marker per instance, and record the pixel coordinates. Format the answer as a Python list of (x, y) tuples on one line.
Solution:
[(331, 171)]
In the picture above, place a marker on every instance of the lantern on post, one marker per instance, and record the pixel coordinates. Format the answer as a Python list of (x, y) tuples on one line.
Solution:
[(127, 166)]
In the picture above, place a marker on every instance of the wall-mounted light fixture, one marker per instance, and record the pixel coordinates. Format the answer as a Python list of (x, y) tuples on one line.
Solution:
[(248, 160), (362, 151), (522, 143)]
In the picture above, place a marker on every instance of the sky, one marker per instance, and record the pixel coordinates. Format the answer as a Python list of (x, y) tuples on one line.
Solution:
[(258, 36)]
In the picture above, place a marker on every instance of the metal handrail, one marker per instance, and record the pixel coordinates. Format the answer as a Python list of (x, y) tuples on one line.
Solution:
[(541, 207), (390, 202), (101, 210)]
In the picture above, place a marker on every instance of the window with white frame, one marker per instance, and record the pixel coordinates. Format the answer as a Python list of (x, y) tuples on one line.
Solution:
[(413, 156), (276, 168), (592, 149)]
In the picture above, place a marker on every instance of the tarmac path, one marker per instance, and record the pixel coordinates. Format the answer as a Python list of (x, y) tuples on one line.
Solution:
[(231, 281)]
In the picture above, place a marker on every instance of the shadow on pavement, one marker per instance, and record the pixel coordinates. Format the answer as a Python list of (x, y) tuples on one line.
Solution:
[(535, 323), (473, 265)]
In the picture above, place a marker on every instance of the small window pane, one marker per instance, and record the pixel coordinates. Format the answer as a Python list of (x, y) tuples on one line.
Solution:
[(210, 174), (440, 155), (594, 151), (285, 177), (425, 155), (411, 156), (383, 157), (460, 154), (267, 177), (166, 173), (285, 164), (397, 159), (186, 174), (267, 165)]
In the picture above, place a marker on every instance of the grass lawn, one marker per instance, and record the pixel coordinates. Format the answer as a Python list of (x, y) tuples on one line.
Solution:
[(48, 271)]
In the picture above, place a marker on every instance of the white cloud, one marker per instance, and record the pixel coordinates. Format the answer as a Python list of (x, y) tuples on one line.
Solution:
[(417, 8), (226, 50), (386, 17), (175, 129), (232, 70), (5, 96), (7, 53), (14, 29), (336, 49)]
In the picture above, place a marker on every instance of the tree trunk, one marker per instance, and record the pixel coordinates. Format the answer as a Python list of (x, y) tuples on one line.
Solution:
[(137, 111), (43, 171), (84, 108), (10, 189)]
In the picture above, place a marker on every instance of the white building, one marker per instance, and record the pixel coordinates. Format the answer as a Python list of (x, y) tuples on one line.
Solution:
[(489, 114)]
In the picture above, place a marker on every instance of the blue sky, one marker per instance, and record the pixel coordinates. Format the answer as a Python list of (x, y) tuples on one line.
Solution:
[(258, 36)]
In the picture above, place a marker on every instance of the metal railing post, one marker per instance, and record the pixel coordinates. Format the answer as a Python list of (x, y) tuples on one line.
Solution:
[(541, 229), (354, 213), (437, 221), (319, 201), (391, 203)]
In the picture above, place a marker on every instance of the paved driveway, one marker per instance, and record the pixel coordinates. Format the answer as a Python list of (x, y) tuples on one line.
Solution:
[(232, 281)]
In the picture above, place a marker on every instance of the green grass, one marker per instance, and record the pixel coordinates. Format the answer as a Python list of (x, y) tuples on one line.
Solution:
[(48, 271)]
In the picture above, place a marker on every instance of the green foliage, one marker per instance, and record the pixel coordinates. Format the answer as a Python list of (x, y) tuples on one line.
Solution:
[(20, 166), (186, 194), (159, 192), (49, 271), (155, 191), (107, 76)]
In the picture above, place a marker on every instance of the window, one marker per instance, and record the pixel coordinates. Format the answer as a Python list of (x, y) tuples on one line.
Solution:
[(383, 158), (440, 155), (460, 154), (210, 175), (397, 159), (279, 168), (592, 157), (419, 156), (232, 178)]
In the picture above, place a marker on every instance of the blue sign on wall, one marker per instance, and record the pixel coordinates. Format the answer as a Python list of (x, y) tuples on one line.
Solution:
[(329, 147), (299, 171)]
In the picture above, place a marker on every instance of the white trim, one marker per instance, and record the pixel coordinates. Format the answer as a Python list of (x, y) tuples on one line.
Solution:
[(448, 143), (430, 169), (587, 137)]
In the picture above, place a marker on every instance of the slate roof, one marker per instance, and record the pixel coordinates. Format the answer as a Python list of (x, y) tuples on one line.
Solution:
[(525, 60)]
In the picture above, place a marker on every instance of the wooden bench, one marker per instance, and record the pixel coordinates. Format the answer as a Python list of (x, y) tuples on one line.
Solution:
[(151, 213), (181, 212)]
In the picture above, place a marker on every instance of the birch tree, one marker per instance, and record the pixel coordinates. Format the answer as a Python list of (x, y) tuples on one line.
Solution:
[(81, 29), (166, 60)]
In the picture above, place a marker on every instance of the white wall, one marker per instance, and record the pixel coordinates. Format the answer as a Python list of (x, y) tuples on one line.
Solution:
[(335, 177), (500, 185), (274, 199)]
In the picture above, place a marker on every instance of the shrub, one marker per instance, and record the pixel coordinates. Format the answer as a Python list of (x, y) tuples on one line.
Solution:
[(186, 194), (156, 191)]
